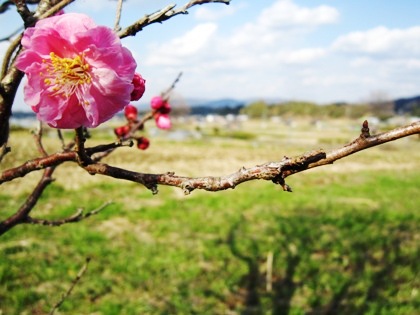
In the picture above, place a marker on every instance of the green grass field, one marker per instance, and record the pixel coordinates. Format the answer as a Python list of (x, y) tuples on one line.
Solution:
[(346, 241)]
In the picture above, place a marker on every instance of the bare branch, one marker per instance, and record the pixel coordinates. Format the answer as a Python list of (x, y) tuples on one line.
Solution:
[(162, 15), (8, 88), (72, 286), (78, 216), (21, 215), (24, 12), (166, 93), (366, 141), (83, 158), (38, 139), (199, 2), (274, 171), (37, 164), (117, 26), (5, 6), (50, 7)]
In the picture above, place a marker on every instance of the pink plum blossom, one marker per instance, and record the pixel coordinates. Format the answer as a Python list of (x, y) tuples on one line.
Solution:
[(78, 73), (163, 121), (161, 110)]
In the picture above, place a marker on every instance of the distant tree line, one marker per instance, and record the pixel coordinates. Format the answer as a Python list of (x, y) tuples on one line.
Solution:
[(261, 109)]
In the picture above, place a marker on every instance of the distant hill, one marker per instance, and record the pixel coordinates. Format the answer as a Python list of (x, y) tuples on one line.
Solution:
[(221, 107), (409, 105)]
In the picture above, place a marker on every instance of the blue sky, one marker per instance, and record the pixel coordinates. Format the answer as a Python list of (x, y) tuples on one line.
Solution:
[(318, 50)]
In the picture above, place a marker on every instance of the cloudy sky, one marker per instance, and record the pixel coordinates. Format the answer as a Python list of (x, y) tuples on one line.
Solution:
[(318, 50)]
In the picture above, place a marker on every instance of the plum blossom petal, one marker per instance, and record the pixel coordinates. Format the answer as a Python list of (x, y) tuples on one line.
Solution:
[(163, 121), (78, 73)]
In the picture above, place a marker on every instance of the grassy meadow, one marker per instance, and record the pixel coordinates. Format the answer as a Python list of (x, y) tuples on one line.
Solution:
[(346, 241)]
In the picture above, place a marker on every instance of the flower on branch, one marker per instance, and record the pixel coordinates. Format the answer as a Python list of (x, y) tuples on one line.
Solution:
[(162, 109), (78, 73)]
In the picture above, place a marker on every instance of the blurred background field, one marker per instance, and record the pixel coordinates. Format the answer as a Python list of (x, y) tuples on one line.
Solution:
[(346, 241)]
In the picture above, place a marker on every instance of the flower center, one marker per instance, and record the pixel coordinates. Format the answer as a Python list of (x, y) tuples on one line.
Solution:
[(67, 75)]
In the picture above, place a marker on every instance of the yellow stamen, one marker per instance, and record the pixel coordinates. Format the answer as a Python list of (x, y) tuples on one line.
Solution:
[(67, 75)]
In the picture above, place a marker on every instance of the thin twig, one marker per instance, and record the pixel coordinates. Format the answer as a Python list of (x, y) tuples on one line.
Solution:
[(269, 275), (22, 214), (166, 93), (47, 11), (9, 55), (77, 217), (38, 139), (66, 294), (117, 26), (162, 15)]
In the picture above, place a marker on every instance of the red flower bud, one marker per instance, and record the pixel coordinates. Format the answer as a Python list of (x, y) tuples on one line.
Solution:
[(143, 143), (139, 87), (130, 112), (122, 131)]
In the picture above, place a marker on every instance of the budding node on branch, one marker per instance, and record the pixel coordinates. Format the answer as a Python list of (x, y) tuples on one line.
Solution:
[(365, 130)]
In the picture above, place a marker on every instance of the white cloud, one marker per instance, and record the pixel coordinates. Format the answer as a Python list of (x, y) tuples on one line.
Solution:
[(269, 56), (94, 5), (305, 55), (203, 13), (280, 24), (285, 13), (179, 49), (381, 40)]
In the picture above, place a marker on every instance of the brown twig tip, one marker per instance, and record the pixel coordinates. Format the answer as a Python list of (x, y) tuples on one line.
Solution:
[(279, 180), (78, 216), (365, 130), (75, 281)]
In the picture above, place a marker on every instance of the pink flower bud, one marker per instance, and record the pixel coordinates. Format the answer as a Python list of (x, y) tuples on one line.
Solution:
[(130, 112), (139, 87), (143, 143), (157, 102), (122, 131), (163, 121)]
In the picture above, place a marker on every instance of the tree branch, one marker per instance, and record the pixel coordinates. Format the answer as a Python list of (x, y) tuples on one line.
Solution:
[(78, 216), (163, 15), (22, 214), (117, 26), (24, 12), (37, 164), (366, 141), (274, 171)]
